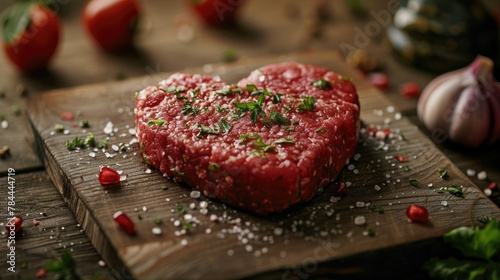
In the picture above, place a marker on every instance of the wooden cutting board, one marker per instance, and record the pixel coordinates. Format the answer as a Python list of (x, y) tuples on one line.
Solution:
[(239, 244)]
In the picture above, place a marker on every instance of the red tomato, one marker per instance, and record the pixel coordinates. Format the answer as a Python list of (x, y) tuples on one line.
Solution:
[(30, 46), (108, 176), (112, 24), (417, 213), (380, 80), (216, 12), (14, 224), (410, 90)]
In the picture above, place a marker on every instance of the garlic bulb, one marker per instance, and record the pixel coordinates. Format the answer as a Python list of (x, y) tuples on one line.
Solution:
[(463, 105)]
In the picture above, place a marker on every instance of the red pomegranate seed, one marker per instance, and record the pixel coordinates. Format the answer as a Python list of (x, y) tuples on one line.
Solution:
[(340, 190), (379, 80), (401, 158), (417, 213), (492, 185), (386, 131), (108, 176), (14, 224), (42, 273), (67, 116), (371, 130), (124, 222), (410, 90)]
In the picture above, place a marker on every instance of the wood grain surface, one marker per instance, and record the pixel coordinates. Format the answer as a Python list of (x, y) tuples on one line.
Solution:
[(57, 231), (238, 244)]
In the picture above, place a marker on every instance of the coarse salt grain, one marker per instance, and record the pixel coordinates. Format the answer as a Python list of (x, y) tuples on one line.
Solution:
[(184, 242), (101, 263), (471, 172), (377, 187), (487, 192), (156, 230), (482, 175), (278, 231), (360, 204), (195, 194), (360, 220), (444, 203)]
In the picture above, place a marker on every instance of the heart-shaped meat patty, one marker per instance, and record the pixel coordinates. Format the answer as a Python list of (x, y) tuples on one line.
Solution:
[(264, 144)]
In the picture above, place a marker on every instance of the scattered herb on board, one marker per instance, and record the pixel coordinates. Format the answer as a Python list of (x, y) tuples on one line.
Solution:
[(413, 182), (84, 124), (480, 257), (180, 209), (453, 189), (64, 267), (443, 173)]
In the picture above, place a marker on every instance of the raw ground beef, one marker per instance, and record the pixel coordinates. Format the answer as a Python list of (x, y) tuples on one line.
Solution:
[(261, 147)]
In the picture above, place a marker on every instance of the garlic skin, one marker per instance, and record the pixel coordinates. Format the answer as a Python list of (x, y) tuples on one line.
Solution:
[(463, 104)]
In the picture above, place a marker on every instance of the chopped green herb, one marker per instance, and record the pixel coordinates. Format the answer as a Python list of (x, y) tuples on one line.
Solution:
[(206, 130), (443, 173), (230, 55), (194, 92), (252, 88), (279, 118), (295, 122), (156, 122), (136, 94), (263, 146), (164, 187), (213, 167), (453, 189), (370, 231), (174, 89), (413, 182), (16, 110), (378, 208), (180, 210), (277, 98), (267, 122), (219, 109), (75, 143), (288, 128), (286, 140), (322, 84), (225, 92), (237, 89), (321, 130), (255, 109), (245, 137), (102, 144), (64, 267), (58, 128), (287, 108), (139, 216), (307, 104), (226, 127), (84, 124), (406, 167), (157, 221), (346, 78), (89, 140), (187, 225), (189, 109), (181, 97), (321, 190)]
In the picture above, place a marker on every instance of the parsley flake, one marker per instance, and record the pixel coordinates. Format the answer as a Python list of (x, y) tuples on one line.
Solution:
[(453, 190), (285, 140), (279, 118), (322, 84), (189, 109), (156, 122), (307, 104)]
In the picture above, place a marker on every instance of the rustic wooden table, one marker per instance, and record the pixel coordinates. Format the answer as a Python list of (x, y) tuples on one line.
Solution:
[(269, 28)]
